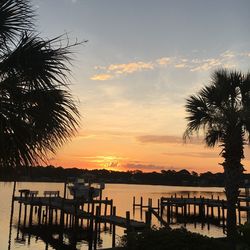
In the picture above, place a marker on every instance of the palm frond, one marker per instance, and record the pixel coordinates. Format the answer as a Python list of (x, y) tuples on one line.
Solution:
[(245, 90), (16, 16), (37, 62), (213, 136), (198, 113), (41, 121)]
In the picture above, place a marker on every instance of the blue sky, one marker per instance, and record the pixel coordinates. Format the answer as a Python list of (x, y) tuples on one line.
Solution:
[(142, 59)]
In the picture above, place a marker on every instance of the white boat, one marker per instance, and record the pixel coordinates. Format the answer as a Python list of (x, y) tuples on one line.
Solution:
[(81, 189)]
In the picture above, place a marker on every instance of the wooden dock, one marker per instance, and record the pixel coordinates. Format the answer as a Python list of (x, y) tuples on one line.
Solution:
[(76, 209), (200, 208), (50, 209)]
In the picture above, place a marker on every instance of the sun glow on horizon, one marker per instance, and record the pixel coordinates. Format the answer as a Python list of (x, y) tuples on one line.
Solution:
[(109, 162)]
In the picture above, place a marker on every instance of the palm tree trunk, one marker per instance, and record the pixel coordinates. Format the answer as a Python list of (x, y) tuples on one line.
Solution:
[(233, 169), (232, 184)]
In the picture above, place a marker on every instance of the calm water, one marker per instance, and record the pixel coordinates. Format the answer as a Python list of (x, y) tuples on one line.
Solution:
[(122, 194)]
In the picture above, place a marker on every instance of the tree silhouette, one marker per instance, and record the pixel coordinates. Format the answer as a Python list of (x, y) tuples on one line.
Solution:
[(37, 111), (222, 111)]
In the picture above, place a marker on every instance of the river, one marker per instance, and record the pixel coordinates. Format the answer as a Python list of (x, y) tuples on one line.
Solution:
[(122, 195)]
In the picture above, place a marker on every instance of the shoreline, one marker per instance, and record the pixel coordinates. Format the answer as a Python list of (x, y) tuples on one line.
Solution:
[(110, 182)]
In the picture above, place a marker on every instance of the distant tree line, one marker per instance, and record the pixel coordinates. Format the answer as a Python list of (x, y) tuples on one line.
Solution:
[(165, 177)]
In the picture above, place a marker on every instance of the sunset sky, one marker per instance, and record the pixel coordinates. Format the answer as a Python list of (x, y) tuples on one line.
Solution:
[(142, 60)]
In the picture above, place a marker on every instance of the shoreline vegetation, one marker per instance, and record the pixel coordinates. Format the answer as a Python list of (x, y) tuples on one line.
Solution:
[(165, 177), (178, 239)]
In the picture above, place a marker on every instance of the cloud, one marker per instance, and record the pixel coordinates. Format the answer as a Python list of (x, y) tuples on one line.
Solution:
[(194, 154), (102, 158), (208, 64), (129, 67), (227, 59), (180, 65), (101, 77), (146, 167), (164, 61), (115, 70), (228, 54), (159, 139), (165, 139)]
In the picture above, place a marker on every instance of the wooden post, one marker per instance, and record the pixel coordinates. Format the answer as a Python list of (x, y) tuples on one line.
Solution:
[(50, 215), (96, 225), (171, 211), (201, 207), (100, 199), (162, 207), (56, 215), (133, 206), (67, 220), (82, 209), (168, 212), (141, 204), (238, 205), (64, 190), (158, 206), (111, 213), (128, 220), (105, 212), (208, 208), (39, 214), (76, 222), (185, 209), (90, 226), (25, 215), (176, 206), (14, 190), (11, 214), (31, 215), (182, 206), (239, 216), (218, 211), (148, 218), (195, 206), (46, 214), (223, 212), (113, 228), (149, 202), (111, 207), (19, 215)]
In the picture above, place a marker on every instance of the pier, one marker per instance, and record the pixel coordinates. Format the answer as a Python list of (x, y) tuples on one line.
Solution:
[(50, 211), (174, 208)]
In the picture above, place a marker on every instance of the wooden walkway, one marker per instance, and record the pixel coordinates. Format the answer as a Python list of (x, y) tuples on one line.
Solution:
[(52, 210), (75, 208), (210, 209)]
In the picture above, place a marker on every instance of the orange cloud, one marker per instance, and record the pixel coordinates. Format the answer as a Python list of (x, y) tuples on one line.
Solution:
[(128, 68), (166, 139), (163, 60), (101, 77), (194, 154), (180, 65), (115, 70)]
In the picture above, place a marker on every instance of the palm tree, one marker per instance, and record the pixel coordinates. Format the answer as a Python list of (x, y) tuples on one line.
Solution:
[(222, 111), (37, 111)]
